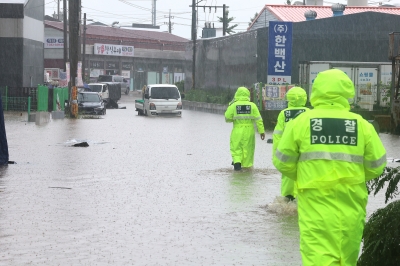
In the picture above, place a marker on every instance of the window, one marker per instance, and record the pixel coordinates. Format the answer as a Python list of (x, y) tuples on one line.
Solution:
[(164, 93)]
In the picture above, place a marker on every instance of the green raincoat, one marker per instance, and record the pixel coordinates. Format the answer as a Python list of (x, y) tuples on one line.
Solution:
[(331, 153), (243, 114), (297, 98)]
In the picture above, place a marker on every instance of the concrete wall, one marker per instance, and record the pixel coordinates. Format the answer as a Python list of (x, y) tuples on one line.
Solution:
[(205, 107), (21, 43), (226, 62)]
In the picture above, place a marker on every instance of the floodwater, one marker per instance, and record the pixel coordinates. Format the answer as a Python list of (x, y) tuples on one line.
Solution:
[(147, 191)]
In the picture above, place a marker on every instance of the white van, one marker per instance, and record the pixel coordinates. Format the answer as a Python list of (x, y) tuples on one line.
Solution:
[(101, 89), (160, 99), (116, 78)]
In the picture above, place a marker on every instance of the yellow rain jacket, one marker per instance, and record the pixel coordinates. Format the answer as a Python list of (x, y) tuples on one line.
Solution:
[(243, 114), (331, 153), (297, 98)]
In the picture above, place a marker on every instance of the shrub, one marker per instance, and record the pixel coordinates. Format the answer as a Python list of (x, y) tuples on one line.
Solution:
[(218, 96), (381, 235)]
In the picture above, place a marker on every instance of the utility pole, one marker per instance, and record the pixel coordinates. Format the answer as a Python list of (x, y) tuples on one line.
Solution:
[(169, 22), (73, 37), (194, 34), (84, 46), (79, 31), (74, 25), (194, 37), (65, 34), (224, 18), (153, 12), (58, 10)]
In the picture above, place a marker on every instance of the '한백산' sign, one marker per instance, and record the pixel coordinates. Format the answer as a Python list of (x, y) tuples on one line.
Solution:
[(279, 53), (115, 50)]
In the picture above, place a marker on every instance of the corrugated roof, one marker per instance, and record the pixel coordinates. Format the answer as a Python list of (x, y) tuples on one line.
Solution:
[(295, 13), (122, 33)]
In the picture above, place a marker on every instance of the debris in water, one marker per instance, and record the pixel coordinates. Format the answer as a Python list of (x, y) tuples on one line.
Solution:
[(81, 144)]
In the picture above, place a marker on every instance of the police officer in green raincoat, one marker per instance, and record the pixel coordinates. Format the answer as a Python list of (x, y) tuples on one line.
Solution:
[(297, 98), (243, 114), (331, 153)]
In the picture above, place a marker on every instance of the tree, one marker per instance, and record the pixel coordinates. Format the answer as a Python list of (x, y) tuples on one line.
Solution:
[(229, 29), (253, 18)]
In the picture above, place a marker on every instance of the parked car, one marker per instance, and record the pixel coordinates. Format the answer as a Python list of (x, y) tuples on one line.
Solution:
[(160, 99), (91, 103), (116, 78)]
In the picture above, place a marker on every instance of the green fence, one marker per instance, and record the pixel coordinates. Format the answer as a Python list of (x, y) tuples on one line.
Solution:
[(31, 99), (59, 97), (43, 98), (19, 99)]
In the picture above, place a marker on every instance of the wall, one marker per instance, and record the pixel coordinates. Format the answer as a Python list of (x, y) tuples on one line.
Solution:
[(230, 62), (21, 42), (226, 62)]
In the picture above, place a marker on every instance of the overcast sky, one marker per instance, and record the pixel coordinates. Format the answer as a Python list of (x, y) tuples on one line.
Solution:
[(139, 11)]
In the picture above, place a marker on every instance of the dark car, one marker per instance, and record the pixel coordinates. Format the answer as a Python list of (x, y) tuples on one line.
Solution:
[(91, 103)]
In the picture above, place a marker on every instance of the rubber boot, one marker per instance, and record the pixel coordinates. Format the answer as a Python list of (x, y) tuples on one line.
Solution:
[(237, 166), (290, 197)]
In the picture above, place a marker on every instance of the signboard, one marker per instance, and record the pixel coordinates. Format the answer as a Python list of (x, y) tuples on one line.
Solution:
[(126, 74), (54, 73), (95, 73), (126, 66), (97, 64), (79, 81), (67, 69), (112, 65), (54, 42), (179, 77), (274, 96), (279, 53), (367, 87), (115, 50)]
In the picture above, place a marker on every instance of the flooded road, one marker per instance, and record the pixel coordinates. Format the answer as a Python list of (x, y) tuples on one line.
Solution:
[(147, 191)]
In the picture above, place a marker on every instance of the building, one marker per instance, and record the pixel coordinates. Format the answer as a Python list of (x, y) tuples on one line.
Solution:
[(299, 13), (242, 59), (141, 56), (21, 42)]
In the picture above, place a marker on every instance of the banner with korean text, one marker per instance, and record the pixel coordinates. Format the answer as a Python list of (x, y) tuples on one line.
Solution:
[(279, 53), (112, 49), (274, 96)]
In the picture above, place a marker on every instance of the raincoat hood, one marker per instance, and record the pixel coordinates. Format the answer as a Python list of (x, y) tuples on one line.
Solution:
[(296, 97), (332, 87), (242, 94)]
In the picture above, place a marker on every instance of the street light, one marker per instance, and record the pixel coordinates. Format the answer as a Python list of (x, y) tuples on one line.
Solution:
[(84, 44)]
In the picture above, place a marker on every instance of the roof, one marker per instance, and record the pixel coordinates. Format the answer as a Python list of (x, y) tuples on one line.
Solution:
[(109, 31), (13, 1), (295, 13)]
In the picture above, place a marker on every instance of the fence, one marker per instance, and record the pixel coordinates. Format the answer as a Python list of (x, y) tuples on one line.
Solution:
[(32, 99), (367, 97)]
